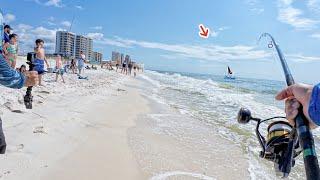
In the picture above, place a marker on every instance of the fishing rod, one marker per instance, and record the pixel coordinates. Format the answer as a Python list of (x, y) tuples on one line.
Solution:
[(284, 142), (301, 124)]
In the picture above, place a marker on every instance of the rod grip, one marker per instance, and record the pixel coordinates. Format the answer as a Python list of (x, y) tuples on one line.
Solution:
[(306, 142)]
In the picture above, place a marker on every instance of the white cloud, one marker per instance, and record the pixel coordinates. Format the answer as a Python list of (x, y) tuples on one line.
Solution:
[(213, 33), (294, 17), (314, 5), (51, 18), (255, 6), (223, 28), (55, 3), (216, 32), (28, 34), (9, 18), (79, 7), (51, 21), (66, 23), (257, 10), (315, 35), (95, 36), (97, 28), (200, 52), (302, 59), (252, 2)]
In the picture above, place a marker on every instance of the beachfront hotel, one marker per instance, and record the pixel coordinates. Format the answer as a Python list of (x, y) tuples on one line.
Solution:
[(121, 58), (65, 43), (70, 44), (97, 56), (116, 57), (84, 44)]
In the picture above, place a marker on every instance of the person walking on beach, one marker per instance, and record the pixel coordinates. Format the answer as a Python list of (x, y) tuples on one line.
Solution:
[(40, 59), (81, 62), (11, 49), (59, 68)]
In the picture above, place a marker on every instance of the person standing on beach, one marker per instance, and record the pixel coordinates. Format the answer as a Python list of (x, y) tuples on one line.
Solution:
[(13, 79), (12, 50), (130, 68), (6, 34), (117, 67), (135, 70), (123, 67), (59, 68), (81, 61), (6, 39), (73, 65), (126, 64), (40, 59)]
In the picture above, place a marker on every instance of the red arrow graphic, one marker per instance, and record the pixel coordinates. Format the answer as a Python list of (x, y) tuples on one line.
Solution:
[(204, 32)]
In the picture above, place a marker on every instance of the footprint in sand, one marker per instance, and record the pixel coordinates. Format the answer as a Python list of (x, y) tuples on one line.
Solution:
[(9, 106), (43, 92), (20, 147), (39, 129), (120, 89)]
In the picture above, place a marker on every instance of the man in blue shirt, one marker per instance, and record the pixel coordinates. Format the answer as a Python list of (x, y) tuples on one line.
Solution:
[(13, 79), (306, 95), (6, 33)]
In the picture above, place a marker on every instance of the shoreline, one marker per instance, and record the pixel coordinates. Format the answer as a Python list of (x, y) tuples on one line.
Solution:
[(115, 131), (169, 144)]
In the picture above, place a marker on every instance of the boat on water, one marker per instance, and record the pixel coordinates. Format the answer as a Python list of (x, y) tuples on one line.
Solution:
[(229, 75)]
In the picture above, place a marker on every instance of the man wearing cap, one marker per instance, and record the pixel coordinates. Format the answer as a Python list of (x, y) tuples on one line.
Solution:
[(6, 38), (6, 33)]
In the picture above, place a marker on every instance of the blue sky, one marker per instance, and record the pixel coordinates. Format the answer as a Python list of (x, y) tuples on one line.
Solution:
[(164, 33)]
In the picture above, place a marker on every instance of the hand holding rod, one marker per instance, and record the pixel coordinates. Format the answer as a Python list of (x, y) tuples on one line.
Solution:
[(301, 124)]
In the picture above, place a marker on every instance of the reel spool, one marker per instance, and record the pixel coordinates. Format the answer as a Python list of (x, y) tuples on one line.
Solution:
[(278, 130), (277, 142)]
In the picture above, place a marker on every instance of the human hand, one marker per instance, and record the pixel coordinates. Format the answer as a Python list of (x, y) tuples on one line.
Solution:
[(31, 78), (295, 96)]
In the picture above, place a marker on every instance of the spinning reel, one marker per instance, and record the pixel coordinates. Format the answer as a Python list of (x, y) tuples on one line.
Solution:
[(280, 145), (283, 142)]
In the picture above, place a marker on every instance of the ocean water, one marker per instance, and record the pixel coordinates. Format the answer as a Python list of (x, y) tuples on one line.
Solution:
[(214, 101)]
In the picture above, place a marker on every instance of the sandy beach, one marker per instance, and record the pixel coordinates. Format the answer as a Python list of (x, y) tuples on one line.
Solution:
[(107, 128)]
